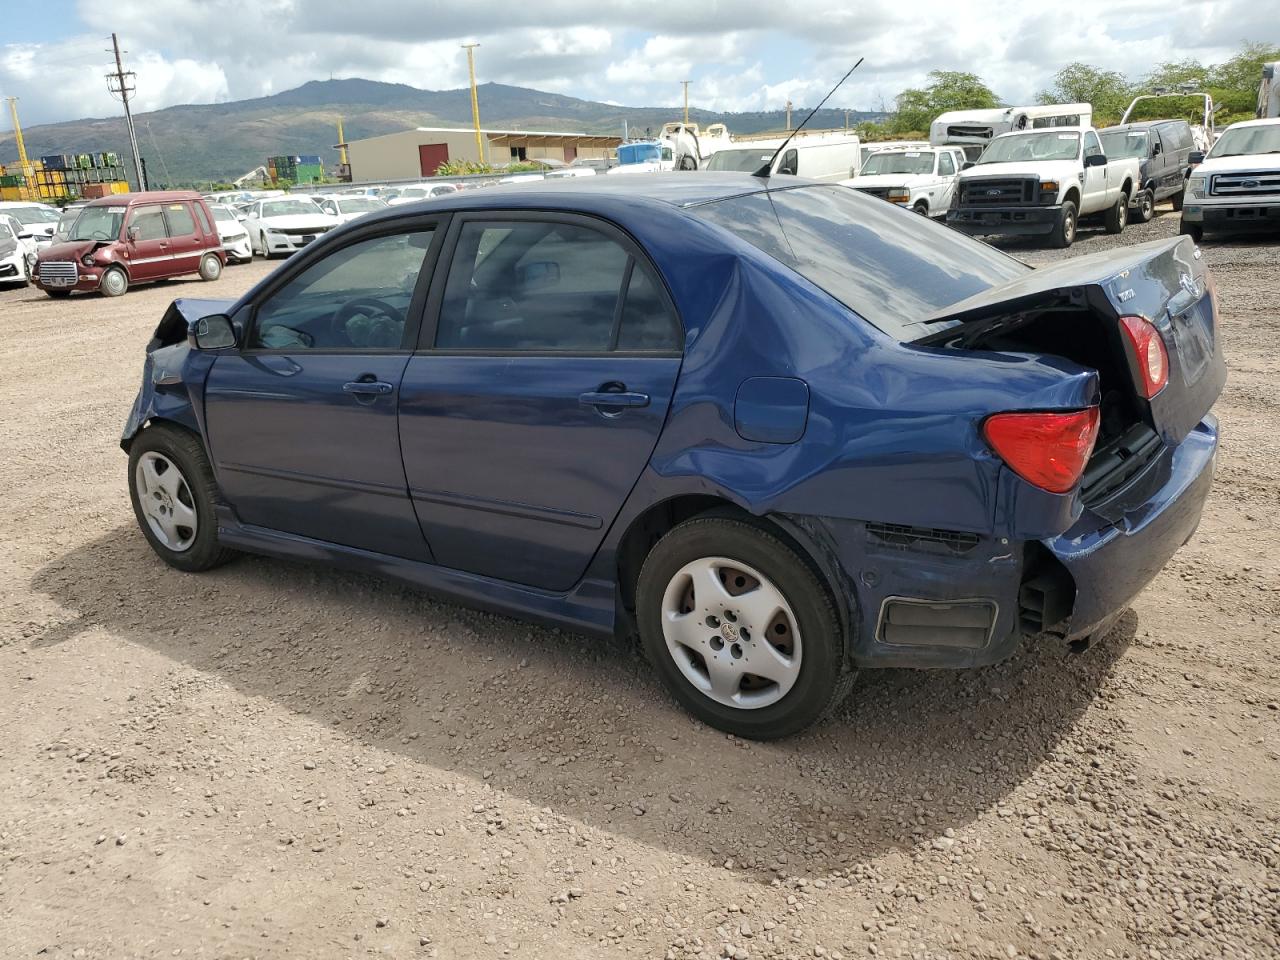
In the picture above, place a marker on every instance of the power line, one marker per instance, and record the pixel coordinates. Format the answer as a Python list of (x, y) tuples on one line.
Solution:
[(122, 85)]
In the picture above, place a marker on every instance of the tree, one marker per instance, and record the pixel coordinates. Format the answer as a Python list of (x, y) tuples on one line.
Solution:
[(1243, 72), (1107, 90), (1177, 73), (947, 90)]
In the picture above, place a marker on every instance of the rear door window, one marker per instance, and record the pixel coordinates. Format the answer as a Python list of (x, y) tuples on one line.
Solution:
[(204, 218), (181, 223)]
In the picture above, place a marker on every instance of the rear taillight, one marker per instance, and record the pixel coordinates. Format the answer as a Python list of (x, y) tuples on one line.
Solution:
[(1049, 450), (1149, 352)]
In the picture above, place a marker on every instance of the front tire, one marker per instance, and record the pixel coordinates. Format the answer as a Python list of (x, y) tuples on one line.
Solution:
[(1177, 199), (1144, 207), (210, 267), (174, 498), (740, 629), (1191, 230), (921, 208), (1064, 231), (1118, 216), (114, 283)]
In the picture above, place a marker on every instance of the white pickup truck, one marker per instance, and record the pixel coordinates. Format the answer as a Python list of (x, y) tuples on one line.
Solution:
[(1237, 187), (920, 179), (1041, 183)]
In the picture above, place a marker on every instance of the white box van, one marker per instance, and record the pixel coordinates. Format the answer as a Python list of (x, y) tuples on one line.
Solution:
[(815, 157), (972, 130)]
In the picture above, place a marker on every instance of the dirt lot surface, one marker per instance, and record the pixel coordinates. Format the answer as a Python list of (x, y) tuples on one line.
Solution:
[(278, 761)]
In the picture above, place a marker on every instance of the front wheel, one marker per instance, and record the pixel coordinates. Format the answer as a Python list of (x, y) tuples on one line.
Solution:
[(921, 208), (1144, 208), (114, 283), (1118, 216), (174, 498), (1064, 231), (740, 629), (1177, 199), (1194, 231), (210, 267)]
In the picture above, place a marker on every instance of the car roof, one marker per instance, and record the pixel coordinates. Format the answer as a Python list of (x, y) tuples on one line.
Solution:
[(14, 204), (146, 196), (1142, 125), (679, 189)]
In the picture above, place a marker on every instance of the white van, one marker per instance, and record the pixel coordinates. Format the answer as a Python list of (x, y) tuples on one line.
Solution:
[(972, 130), (830, 158)]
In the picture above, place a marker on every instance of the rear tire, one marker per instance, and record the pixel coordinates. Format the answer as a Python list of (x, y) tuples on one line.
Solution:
[(747, 595), (1064, 231), (1144, 207), (1196, 233), (1117, 216), (210, 267), (114, 283), (177, 513)]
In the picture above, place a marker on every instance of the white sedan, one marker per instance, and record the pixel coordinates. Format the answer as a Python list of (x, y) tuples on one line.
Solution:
[(233, 232), (347, 208), (283, 225), (17, 252), (38, 219), (414, 194)]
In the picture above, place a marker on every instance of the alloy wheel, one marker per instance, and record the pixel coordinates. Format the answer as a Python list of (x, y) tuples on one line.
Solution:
[(166, 501), (731, 633)]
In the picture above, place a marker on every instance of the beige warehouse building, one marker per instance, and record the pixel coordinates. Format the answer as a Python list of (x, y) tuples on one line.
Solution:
[(419, 152)]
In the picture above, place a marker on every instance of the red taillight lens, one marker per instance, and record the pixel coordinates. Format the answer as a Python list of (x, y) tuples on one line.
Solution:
[(1149, 351), (1047, 449)]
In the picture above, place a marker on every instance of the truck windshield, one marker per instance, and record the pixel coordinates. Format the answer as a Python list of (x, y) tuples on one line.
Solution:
[(1032, 146), (1124, 143), (740, 161), (638, 153), (910, 161), (1247, 141), (858, 249), (98, 223)]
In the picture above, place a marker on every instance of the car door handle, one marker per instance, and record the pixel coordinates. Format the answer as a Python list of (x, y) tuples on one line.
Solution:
[(607, 398), (368, 388)]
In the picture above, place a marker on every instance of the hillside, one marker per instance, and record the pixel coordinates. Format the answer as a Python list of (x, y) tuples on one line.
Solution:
[(202, 142)]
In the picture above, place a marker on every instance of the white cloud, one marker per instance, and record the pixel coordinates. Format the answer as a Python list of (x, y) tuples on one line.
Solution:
[(741, 54)]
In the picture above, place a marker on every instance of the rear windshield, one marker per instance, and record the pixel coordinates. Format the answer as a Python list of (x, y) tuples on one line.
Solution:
[(891, 267)]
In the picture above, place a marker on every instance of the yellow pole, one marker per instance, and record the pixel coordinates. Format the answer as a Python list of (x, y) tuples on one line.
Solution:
[(28, 172), (686, 101), (342, 145), (475, 102)]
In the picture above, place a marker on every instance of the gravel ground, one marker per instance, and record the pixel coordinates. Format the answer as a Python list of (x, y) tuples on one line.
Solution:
[(273, 760)]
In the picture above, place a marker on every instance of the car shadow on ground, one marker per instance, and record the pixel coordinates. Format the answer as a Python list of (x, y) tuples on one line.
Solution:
[(580, 725)]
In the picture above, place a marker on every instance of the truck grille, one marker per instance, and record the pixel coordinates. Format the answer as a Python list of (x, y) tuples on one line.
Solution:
[(995, 192), (1264, 183), (881, 192), (58, 270)]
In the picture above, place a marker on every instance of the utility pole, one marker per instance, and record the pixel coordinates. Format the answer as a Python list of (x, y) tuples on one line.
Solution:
[(121, 84), (686, 100), (788, 113), (475, 102)]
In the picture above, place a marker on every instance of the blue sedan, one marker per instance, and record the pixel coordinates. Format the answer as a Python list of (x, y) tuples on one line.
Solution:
[(781, 430)]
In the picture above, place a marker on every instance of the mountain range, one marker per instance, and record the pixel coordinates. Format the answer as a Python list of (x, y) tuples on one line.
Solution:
[(195, 143)]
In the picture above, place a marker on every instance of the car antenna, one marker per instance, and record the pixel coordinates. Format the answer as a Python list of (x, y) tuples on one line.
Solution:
[(765, 170)]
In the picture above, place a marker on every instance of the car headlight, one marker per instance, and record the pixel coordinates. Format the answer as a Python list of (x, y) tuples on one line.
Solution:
[(87, 259), (899, 195), (1195, 187)]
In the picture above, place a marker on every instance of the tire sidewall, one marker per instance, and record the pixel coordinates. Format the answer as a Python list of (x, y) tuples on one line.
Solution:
[(1146, 206), (169, 442), (1064, 237), (106, 290), (207, 272), (822, 646)]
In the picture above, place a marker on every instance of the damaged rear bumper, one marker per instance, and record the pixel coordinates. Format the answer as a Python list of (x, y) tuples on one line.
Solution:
[(923, 597)]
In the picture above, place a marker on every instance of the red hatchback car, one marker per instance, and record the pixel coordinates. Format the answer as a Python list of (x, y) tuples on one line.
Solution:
[(133, 238)]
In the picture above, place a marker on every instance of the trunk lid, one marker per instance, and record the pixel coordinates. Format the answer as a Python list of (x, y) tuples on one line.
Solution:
[(1163, 280)]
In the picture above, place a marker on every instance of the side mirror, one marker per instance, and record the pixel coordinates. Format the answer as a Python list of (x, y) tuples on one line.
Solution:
[(967, 164), (1197, 156), (538, 275), (211, 333), (1096, 160), (133, 233)]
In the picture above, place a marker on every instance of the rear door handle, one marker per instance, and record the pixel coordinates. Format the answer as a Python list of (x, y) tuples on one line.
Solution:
[(368, 388), (604, 398)]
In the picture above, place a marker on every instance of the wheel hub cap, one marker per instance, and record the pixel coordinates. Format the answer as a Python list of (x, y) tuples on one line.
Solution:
[(166, 502), (731, 633)]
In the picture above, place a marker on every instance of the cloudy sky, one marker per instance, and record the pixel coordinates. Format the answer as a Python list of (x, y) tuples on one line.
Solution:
[(740, 54)]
